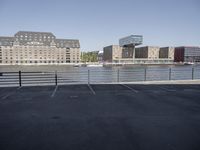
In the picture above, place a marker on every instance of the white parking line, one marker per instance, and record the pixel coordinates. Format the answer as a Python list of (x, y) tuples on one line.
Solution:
[(130, 88), (91, 89), (189, 90), (11, 93), (7, 95), (19, 87), (54, 92), (169, 90)]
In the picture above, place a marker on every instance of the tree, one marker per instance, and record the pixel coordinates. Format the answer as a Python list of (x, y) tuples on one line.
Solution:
[(89, 56)]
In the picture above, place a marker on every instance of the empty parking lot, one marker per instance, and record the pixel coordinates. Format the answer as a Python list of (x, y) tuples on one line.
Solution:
[(100, 117)]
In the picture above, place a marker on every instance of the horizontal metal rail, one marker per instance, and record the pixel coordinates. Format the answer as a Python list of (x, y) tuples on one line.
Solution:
[(98, 76)]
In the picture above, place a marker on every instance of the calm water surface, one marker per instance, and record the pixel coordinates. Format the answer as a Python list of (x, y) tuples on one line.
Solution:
[(115, 73)]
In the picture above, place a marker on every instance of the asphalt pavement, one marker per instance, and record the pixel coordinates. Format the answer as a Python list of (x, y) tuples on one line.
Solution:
[(100, 117)]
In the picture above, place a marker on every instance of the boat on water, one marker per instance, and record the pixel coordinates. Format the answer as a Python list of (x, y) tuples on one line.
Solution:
[(76, 65), (95, 65), (188, 63)]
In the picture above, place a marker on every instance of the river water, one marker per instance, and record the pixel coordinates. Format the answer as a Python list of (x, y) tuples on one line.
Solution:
[(70, 74), (67, 68)]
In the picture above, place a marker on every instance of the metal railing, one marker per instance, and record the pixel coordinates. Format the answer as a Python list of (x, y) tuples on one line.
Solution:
[(97, 76)]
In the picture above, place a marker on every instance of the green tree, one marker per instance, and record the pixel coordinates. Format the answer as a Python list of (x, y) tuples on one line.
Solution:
[(89, 56)]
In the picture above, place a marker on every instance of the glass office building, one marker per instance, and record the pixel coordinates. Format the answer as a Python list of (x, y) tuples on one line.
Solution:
[(131, 40), (187, 54), (128, 45)]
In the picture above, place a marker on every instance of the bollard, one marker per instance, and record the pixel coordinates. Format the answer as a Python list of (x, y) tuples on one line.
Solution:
[(88, 76), (193, 73), (20, 79), (117, 75), (145, 74), (170, 73), (56, 78)]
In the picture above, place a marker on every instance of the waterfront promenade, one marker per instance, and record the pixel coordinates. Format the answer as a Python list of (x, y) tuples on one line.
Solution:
[(101, 117)]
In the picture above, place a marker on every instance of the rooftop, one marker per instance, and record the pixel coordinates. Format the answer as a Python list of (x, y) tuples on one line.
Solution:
[(42, 38)]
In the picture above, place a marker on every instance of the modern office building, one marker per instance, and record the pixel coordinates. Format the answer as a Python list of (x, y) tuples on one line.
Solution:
[(187, 54), (166, 53), (100, 56), (128, 46), (147, 54), (141, 53), (124, 52), (112, 53), (127, 52), (154, 54), (38, 48)]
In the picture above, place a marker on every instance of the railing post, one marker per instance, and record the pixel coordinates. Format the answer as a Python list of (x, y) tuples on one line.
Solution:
[(170, 73), (56, 78), (117, 75), (20, 79), (192, 73), (88, 76), (145, 74)]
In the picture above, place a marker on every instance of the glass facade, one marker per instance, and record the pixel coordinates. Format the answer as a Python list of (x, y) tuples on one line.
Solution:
[(131, 40)]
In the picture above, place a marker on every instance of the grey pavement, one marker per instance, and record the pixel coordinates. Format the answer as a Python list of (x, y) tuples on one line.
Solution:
[(100, 117)]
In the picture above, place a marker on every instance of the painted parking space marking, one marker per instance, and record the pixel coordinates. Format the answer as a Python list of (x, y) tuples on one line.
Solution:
[(190, 90), (167, 89), (91, 89), (10, 94), (130, 88), (19, 87), (2, 92), (54, 92)]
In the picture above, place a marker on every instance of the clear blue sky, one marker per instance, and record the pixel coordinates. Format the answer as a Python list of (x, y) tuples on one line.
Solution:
[(98, 23)]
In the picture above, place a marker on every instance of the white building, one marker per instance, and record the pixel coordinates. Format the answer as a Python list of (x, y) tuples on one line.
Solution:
[(38, 48)]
